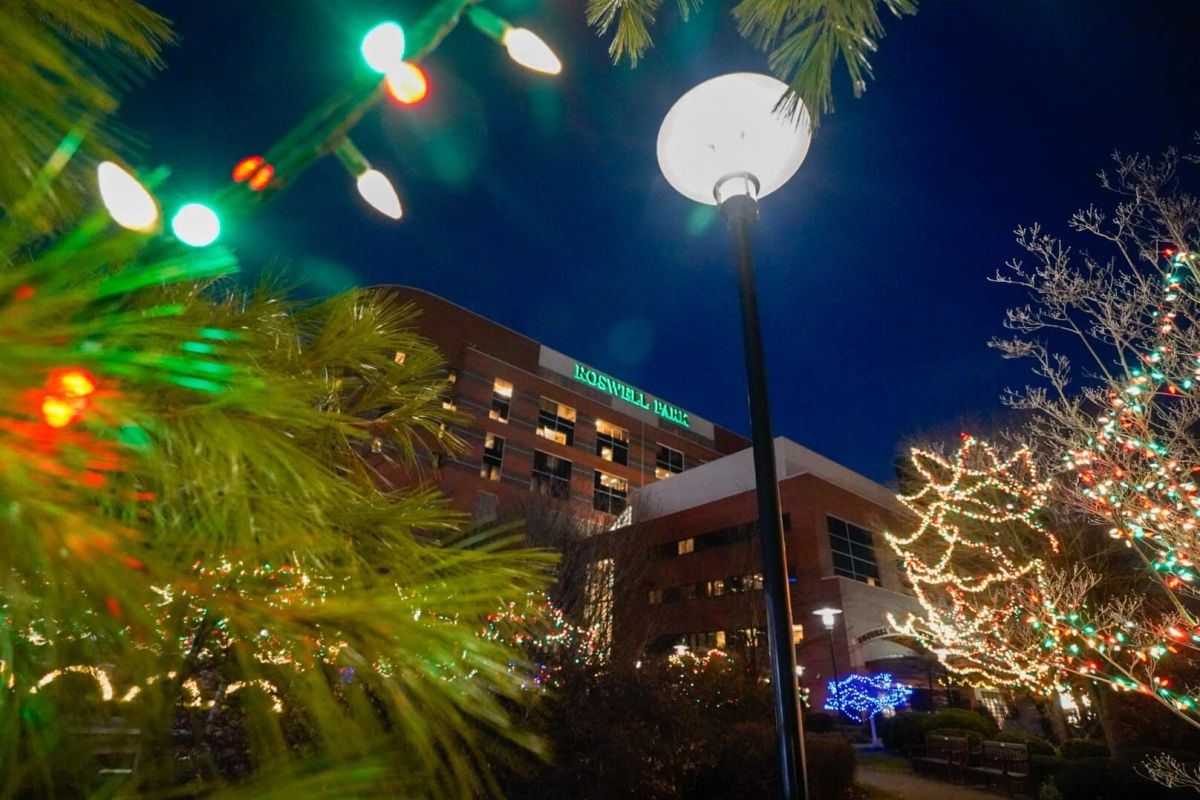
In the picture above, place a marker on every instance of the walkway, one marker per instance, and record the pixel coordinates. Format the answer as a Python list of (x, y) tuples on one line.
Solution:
[(915, 787)]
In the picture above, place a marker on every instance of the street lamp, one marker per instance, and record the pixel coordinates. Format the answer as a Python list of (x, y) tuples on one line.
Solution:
[(723, 144), (828, 618)]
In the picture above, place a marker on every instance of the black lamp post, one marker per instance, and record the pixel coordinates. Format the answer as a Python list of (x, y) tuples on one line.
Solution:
[(722, 144)]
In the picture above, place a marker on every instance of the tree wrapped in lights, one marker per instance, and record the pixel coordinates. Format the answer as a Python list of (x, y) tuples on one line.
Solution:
[(864, 697), (1123, 426), (975, 560), (194, 533)]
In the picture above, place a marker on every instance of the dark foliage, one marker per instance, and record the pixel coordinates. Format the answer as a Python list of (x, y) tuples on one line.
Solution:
[(648, 734), (905, 731), (1036, 744), (962, 719), (819, 722), (1073, 749)]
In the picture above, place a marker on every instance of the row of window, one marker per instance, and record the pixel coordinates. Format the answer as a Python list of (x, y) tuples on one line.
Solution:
[(719, 587), (552, 476), (702, 641), (556, 422), (713, 539)]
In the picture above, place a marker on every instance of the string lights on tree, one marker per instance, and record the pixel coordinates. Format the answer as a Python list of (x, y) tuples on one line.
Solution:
[(975, 563), (864, 697)]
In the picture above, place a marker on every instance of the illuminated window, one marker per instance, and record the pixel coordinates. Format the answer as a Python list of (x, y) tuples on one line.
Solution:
[(493, 457), (853, 552), (703, 641), (612, 443), (502, 392), (994, 703), (654, 597), (797, 634), (610, 493), (685, 546), (551, 475), (399, 357), (716, 588), (670, 462), (448, 397), (556, 422)]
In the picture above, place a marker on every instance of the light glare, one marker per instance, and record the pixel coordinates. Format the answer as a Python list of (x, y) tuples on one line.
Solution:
[(383, 47), (377, 190), (729, 126), (527, 49), (196, 225), (127, 201), (407, 83)]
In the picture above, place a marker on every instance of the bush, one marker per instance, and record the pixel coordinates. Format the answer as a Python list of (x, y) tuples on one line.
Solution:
[(1042, 769), (818, 722), (830, 767), (905, 731), (1084, 748), (1088, 779), (961, 719), (987, 715), (1112, 779), (1036, 744), (974, 737)]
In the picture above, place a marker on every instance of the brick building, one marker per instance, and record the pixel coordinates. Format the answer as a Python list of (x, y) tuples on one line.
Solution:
[(544, 428), (702, 579), (542, 423)]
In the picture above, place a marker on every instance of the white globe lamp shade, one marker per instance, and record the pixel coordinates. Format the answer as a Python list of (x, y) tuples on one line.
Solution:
[(727, 127)]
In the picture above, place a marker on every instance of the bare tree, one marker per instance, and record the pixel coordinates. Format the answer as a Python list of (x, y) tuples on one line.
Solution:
[(1111, 331)]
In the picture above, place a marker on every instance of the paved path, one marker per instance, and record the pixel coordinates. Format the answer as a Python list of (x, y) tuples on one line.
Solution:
[(915, 787)]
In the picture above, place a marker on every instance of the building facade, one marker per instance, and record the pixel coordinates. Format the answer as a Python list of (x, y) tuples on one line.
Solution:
[(541, 427), (679, 564), (702, 577)]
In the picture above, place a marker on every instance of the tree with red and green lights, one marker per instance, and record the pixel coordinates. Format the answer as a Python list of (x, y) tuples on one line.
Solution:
[(203, 580)]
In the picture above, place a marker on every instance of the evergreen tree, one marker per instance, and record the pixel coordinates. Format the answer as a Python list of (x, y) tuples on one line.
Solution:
[(202, 580)]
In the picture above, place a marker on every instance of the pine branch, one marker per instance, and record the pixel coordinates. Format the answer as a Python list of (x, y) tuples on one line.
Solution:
[(805, 40)]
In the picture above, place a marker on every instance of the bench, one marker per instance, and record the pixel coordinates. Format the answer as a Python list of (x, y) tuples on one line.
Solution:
[(1003, 761), (948, 754)]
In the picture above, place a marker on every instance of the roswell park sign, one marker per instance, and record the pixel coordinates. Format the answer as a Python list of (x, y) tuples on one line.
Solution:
[(598, 380)]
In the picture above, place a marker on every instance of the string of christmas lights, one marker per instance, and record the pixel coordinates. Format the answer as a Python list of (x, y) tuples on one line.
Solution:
[(970, 564)]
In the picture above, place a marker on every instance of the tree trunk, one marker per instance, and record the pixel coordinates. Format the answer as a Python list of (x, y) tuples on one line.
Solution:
[(1058, 719)]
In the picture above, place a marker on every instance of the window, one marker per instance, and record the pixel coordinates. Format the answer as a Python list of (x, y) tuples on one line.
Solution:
[(556, 422), (551, 475), (685, 546), (399, 357), (715, 588), (703, 641), (612, 443), (744, 583), (502, 392), (853, 552), (610, 492), (994, 703), (797, 634), (654, 597), (493, 457), (448, 397), (670, 462)]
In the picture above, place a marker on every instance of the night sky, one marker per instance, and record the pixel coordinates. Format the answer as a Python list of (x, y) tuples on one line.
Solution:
[(538, 202)]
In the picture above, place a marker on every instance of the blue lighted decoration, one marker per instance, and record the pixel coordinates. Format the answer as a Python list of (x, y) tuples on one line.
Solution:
[(863, 697)]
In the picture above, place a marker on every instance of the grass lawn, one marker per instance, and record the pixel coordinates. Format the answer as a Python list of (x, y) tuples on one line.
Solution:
[(883, 761)]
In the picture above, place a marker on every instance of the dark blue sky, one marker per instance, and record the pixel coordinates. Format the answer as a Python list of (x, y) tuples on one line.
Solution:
[(538, 202)]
